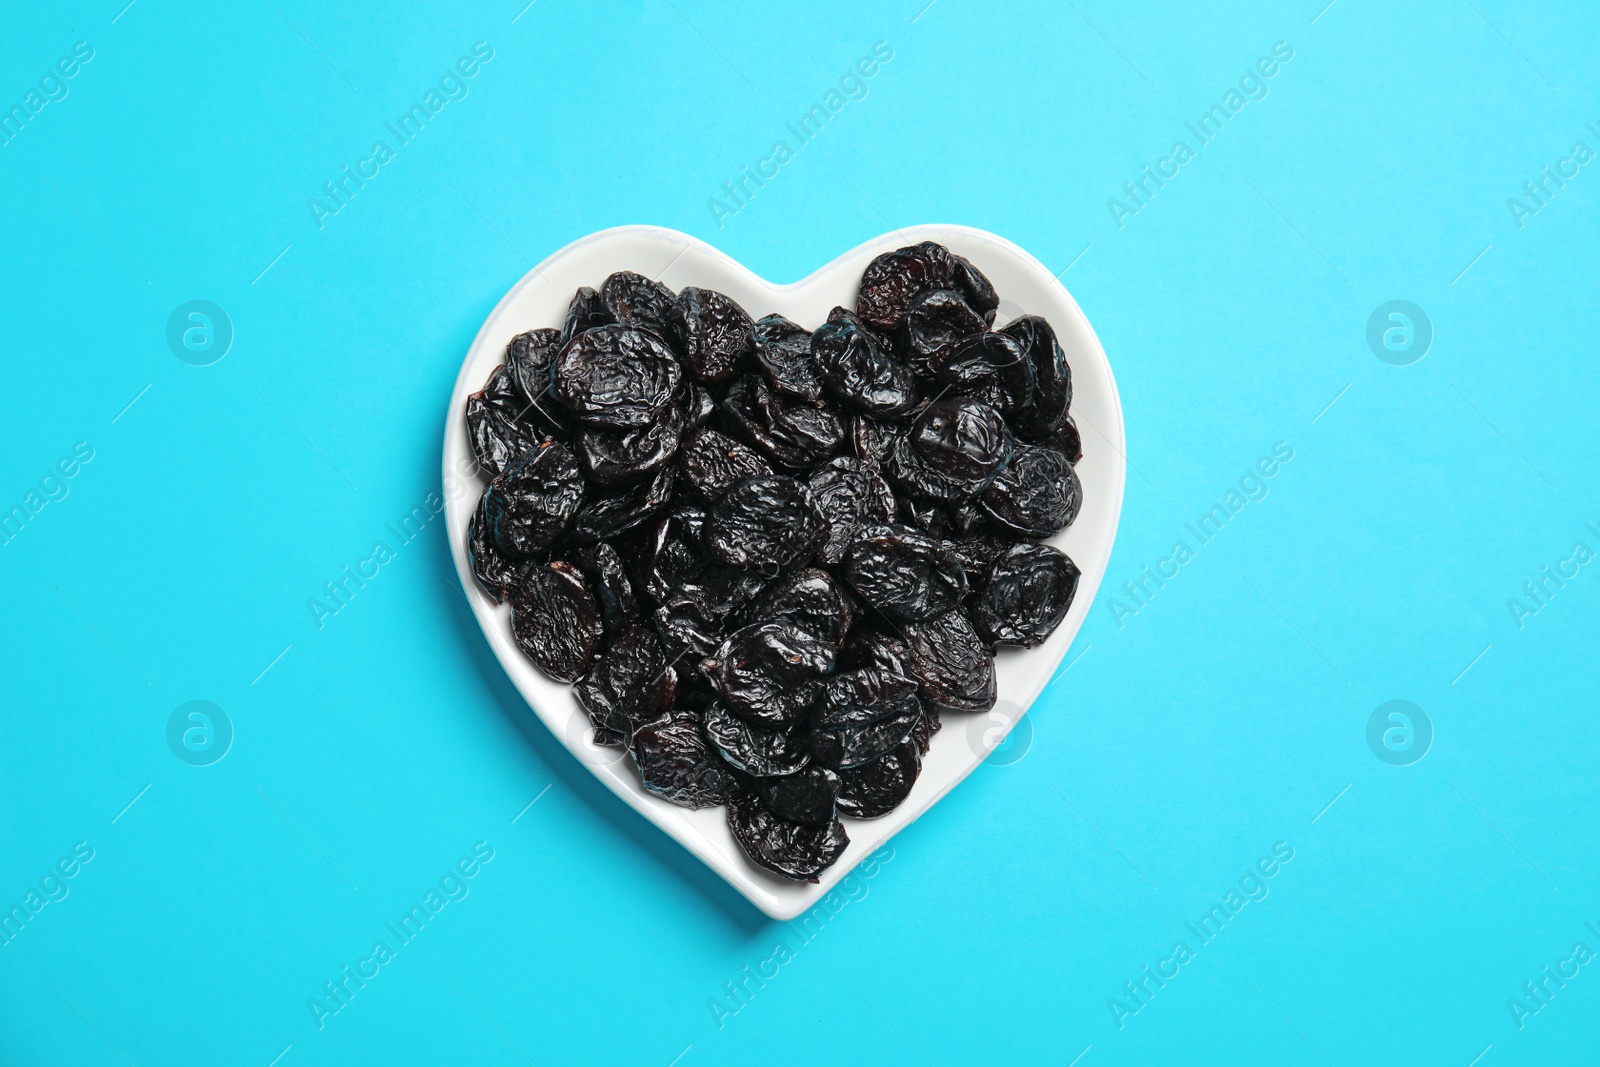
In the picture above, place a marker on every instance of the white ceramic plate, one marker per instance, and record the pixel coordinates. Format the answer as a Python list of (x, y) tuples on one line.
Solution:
[(1025, 286)]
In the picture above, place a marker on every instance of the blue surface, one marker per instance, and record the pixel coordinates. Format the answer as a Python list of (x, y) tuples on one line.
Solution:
[(1224, 718)]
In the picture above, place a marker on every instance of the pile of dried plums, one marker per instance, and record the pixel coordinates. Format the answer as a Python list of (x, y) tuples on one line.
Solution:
[(768, 557)]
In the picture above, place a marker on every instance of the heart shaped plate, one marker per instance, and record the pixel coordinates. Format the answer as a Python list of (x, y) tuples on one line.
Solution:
[(676, 259)]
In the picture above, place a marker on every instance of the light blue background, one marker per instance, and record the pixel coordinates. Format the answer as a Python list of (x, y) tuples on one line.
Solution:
[(1221, 718)]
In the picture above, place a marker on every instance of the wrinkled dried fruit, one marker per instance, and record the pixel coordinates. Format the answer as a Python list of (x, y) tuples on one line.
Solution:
[(769, 673), (556, 622), (792, 849), (793, 434), (850, 494), (714, 332), (935, 322), (860, 697), (616, 377), (529, 357), (494, 572), (951, 664), (530, 505), (860, 371), (634, 300), (991, 367), (676, 764), (810, 599), (759, 750), (711, 462), (783, 352), (955, 448), (606, 515), (1026, 595), (607, 575), (583, 314), (1038, 495), (807, 797), (629, 684), (1052, 378), (766, 524), (874, 789), (904, 574)]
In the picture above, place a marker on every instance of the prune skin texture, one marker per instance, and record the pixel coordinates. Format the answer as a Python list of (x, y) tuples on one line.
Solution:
[(783, 352), (794, 850), (496, 574), (858, 370), (860, 697), (616, 377), (904, 574), (806, 797), (794, 435), (629, 684), (711, 463), (556, 621), (874, 789), (1052, 378), (529, 356), (767, 524), (810, 599), (866, 647), (634, 300), (605, 516), (613, 457), (991, 367), (533, 501), (894, 278), (956, 447), (583, 314), (608, 577), (675, 567), (714, 332), (497, 436), (977, 554), (1037, 496), (935, 322), (952, 666), (848, 747), (769, 673), (688, 632), (1027, 594), (757, 750), (701, 405), (677, 765), (850, 494)]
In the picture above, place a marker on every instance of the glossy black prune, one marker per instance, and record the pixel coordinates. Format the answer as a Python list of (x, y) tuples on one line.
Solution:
[(700, 405), (1025, 597), (977, 554), (810, 599), (846, 747), (1065, 439), (604, 516), (556, 621), (612, 457), (769, 673), (533, 501), (676, 763), (674, 566), (763, 751), (496, 574), (860, 371), (851, 494), (608, 576), (955, 448), (711, 462), (616, 377), (857, 698), (991, 367), (1052, 378), (783, 352), (925, 517), (793, 434), (529, 357), (634, 300), (874, 789), (768, 524), (867, 647), (689, 633), (714, 332), (952, 666), (904, 574), (892, 279), (807, 797), (584, 313), (922, 734), (1037, 495), (629, 684), (794, 850), (935, 322), (497, 436)]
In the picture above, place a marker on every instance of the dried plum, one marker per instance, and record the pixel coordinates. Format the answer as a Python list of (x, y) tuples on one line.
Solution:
[(768, 524), (601, 564), (714, 332), (634, 300), (688, 631), (859, 370), (859, 698), (711, 462), (794, 435), (495, 432), (530, 505), (701, 405), (556, 621), (1052, 378), (951, 664), (611, 457), (904, 574), (604, 516), (783, 352), (496, 574), (616, 377), (935, 322), (991, 367), (955, 448), (1025, 597), (810, 599), (629, 684), (1038, 495), (794, 850), (676, 764), (529, 357), (850, 494), (1066, 440), (759, 750), (866, 647), (977, 554), (583, 314), (851, 746), (675, 567), (894, 278), (769, 673), (874, 789), (807, 797)]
